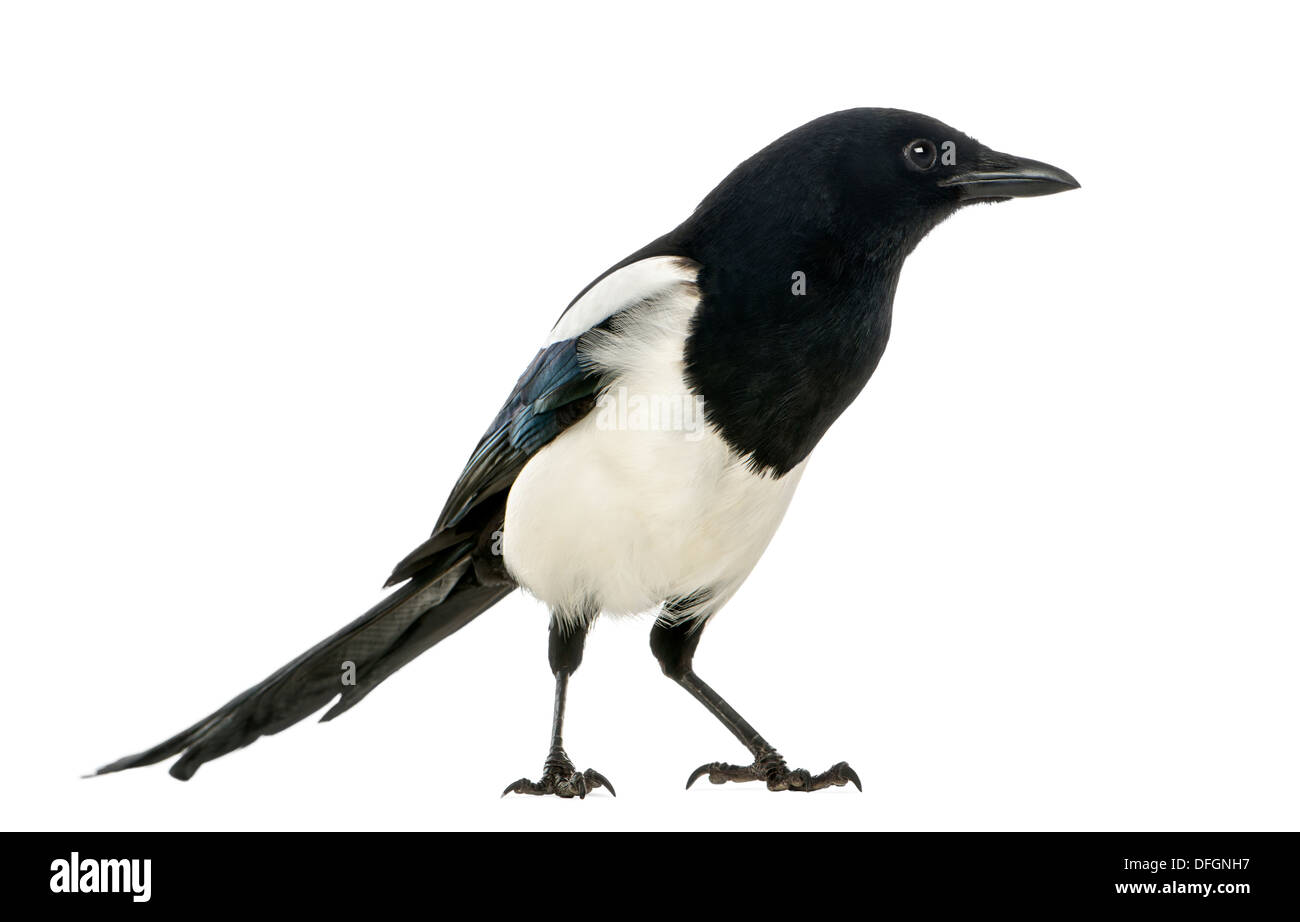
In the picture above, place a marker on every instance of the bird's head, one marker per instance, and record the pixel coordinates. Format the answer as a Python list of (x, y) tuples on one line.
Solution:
[(905, 166), (866, 181)]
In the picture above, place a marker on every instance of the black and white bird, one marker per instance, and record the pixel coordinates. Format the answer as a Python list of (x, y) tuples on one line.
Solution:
[(648, 453)]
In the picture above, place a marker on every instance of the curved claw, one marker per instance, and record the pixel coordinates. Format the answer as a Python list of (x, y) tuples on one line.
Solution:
[(846, 772), (600, 780), (516, 787)]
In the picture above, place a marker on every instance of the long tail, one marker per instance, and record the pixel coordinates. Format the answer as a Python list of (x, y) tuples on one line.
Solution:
[(442, 596)]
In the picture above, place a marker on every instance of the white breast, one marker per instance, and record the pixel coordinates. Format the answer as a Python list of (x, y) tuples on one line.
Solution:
[(641, 501)]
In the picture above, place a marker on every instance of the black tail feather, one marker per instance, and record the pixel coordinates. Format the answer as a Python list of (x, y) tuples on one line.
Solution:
[(453, 614), (436, 602)]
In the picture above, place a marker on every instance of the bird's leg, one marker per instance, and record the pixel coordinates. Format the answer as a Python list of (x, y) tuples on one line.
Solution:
[(559, 777), (674, 646)]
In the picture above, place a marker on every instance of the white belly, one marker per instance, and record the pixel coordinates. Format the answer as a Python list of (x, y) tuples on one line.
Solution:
[(617, 515)]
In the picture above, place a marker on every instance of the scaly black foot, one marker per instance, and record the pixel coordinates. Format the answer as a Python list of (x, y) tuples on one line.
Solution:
[(560, 778), (770, 767)]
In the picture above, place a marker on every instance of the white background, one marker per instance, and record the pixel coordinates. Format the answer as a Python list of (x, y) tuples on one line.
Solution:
[(267, 270)]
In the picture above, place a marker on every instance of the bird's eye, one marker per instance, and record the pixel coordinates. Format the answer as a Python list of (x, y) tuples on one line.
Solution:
[(920, 154)]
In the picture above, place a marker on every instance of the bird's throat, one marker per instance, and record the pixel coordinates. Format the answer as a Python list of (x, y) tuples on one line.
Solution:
[(777, 365)]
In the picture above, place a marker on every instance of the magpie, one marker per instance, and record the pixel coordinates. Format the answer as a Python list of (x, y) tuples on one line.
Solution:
[(649, 451)]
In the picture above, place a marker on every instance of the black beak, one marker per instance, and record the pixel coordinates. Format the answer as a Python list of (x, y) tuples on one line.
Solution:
[(1001, 176)]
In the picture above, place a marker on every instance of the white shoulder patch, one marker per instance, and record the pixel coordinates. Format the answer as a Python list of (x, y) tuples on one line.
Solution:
[(639, 281)]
